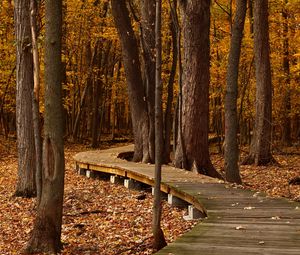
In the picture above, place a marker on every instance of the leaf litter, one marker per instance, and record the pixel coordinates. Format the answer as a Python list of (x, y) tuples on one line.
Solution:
[(272, 180), (99, 217)]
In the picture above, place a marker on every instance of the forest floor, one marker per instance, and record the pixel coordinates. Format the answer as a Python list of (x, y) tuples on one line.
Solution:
[(107, 219), (273, 179)]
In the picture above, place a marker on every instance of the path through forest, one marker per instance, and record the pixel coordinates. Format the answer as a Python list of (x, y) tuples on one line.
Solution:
[(95, 210)]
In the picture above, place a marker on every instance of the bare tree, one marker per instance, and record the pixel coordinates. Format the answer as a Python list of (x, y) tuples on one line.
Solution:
[(46, 234), (36, 99), (231, 118), (260, 148), (192, 150), (148, 53), (159, 239), (138, 104), (286, 129), (26, 149), (168, 117)]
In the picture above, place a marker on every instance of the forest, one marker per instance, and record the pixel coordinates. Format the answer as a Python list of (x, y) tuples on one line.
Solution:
[(207, 86)]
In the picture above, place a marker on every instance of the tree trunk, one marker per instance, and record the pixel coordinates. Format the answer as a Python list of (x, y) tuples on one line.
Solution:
[(260, 148), (244, 138), (192, 151), (231, 118), (95, 113), (36, 100), (3, 121), (90, 61), (286, 129), (26, 150), (96, 96), (138, 105), (148, 43), (46, 234), (159, 240), (168, 113)]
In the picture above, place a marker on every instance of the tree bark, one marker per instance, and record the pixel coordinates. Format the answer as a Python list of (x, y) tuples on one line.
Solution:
[(36, 100), (138, 105), (26, 186), (286, 129), (159, 240), (231, 118), (260, 148), (192, 151), (168, 120), (46, 234), (148, 42)]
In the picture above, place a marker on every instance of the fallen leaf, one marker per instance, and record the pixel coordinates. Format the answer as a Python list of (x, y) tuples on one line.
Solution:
[(275, 218), (249, 208)]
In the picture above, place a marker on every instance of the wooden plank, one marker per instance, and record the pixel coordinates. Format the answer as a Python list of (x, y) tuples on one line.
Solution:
[(213, 249), (275, 214), (239, 221), (267, 227), (255, 221), (109, 170), (140, 178), (83, 166)]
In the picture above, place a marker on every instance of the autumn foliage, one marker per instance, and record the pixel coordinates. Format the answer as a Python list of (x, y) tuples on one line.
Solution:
[(94, 81)]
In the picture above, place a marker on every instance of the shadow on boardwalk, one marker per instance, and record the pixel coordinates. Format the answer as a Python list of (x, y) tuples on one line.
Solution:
[(239, 221)]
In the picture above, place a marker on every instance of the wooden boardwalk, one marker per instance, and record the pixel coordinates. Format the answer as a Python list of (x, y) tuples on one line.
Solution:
[(238, 221)]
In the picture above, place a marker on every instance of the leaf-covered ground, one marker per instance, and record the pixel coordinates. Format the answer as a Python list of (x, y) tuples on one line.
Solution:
[(273, 179), (101, 218)]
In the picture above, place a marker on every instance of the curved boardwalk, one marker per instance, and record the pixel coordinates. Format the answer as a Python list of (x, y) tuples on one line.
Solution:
[(238, 221)]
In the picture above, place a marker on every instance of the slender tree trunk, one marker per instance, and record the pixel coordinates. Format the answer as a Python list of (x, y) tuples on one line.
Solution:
[(217, 116), (231, 118), (168, 112), (115, 118), (96, 96), (138, 105), (46, 234), (90, 61), (242, 121), (36, 100), (193, 147), (96, 82), (260, 148), (159, 239), (148, 42), (177, 123), (26, 186), (95, 113), (2, 102), (286, 129)]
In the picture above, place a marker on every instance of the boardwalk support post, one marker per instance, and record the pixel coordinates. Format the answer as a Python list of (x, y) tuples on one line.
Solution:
[(81, 171), (132, 184), (116, 179), (194, 214), (90, 174), (162, 194), (176, 201)]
